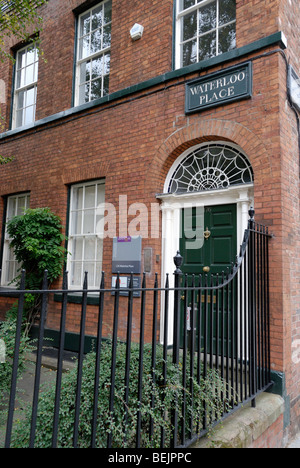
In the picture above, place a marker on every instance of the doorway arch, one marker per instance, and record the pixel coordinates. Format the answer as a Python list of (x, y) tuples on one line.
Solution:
[(209, 174)]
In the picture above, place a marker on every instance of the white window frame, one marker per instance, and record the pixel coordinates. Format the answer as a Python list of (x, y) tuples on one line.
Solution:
[(180, 14), (103, 52), (23, 85), (9, 261), (79, 234)]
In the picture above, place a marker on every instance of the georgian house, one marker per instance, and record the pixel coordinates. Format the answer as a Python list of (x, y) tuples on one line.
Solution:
[(137, 109)]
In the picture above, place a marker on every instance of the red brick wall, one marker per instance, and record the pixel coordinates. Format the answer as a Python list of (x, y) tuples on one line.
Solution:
[(290, 339)]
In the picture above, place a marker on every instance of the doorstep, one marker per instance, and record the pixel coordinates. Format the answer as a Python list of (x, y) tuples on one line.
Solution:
[(246, 425)]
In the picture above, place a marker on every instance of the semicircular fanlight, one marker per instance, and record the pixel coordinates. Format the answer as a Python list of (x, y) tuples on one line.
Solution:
[(213, 166)]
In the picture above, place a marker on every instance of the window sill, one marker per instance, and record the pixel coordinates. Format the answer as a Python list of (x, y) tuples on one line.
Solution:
[(76, 298), (273, 39), (8, 292)]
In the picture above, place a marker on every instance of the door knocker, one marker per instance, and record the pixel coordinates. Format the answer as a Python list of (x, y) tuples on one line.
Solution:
[(207, 234)]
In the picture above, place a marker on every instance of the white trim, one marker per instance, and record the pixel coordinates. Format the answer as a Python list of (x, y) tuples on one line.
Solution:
[(100, 53), (171, 206), (27, 87), (178, 37)]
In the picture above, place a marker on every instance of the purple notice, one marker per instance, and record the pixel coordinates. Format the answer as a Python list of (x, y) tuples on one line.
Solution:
[(124, 239)]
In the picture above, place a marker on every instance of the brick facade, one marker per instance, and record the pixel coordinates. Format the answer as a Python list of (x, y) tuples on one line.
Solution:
[(133, 140)]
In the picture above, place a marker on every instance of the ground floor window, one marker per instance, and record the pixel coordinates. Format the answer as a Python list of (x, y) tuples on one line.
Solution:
[(16, 205), (86, 233)]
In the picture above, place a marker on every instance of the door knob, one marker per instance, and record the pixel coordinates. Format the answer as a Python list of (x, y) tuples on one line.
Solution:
[(206, 269), (207, 234)]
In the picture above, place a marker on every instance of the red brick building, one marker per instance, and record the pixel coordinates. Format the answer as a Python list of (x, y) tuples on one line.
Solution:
[(130, 119)]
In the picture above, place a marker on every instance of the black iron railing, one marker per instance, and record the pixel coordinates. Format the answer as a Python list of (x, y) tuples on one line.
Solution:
[(219, 347)]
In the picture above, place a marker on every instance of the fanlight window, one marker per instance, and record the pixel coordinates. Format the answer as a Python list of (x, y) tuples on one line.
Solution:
[(214, 166)]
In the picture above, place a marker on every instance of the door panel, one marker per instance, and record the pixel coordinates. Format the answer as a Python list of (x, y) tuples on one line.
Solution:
[(217, 252)]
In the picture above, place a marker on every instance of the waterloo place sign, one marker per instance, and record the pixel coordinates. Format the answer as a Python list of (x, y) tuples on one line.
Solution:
[(219, 88)]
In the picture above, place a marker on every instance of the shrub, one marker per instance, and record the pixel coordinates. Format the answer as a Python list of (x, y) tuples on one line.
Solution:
[(37, 243), (7, 335), (36, 240), (207, 393)]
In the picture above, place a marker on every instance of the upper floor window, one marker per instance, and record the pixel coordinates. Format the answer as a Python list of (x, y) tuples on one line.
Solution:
[(93, 53), (205, 29), (26, 76)]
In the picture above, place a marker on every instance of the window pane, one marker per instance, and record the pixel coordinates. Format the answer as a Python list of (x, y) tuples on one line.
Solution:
[(97, 18), (77, 198), (29, 75), (107, 12), (226, 11), (186, 4), (106, 36), (29, 115), (189, 53), (30, 56), (89, 201), (21, 100), (106, 85), (11, 207), (106, 63), (30, 97), (77, 249), (189, 26), (90, 268), (89, 249), (88, 222), (19, 119), (85, 22), (97, 67), (95, 42), (84, 93), (207, 18), (76, 223), (84, 47), (207, 46), (21, 78), (21, 206), (96, 89), (100, 194), (85, 72), (76, 268), (21, 59), (227, 39)]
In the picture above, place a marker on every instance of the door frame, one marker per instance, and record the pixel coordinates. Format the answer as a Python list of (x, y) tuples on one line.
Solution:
[(171, 206)]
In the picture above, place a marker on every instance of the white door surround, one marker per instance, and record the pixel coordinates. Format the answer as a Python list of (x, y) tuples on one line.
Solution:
[(171, 206)]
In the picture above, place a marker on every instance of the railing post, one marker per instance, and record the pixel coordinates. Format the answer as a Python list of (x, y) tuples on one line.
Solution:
[(252, 302), (176, 336), (177, 277)]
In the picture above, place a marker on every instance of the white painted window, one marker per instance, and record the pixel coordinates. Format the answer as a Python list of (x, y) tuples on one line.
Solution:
[(86, 233), (204, 29), (25, 91), (93, 53), (16, 205)]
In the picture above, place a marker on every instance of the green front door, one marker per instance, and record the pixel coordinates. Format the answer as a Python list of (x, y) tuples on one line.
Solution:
[(218, 251)]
